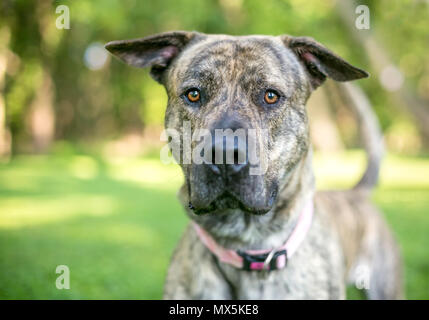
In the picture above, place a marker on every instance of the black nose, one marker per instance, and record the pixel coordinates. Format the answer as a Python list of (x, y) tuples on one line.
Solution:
[(229, 154)]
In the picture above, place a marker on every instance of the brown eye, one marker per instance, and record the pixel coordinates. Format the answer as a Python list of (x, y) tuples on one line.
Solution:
[(271, 97), (193, 95)]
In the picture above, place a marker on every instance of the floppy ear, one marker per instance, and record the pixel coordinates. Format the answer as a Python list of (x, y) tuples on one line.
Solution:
[(156, 51), (320, 62)]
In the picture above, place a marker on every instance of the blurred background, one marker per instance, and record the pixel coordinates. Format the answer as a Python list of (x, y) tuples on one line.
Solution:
[(81, 183)]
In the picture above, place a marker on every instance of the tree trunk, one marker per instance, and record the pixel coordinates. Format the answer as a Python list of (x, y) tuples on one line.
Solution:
[(5, 137), (42, 117)]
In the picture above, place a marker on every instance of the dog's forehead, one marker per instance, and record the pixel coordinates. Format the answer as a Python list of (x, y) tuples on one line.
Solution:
[(236, 46), (235, 55)]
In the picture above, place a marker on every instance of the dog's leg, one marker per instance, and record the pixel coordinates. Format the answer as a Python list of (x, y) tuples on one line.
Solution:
[(380, 261), (386, 269)]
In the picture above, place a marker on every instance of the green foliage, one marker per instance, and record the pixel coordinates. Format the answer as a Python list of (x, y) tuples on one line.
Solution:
[(108, 102)]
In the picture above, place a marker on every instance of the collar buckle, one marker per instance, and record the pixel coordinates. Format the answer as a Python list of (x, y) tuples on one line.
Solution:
[(272, 260)]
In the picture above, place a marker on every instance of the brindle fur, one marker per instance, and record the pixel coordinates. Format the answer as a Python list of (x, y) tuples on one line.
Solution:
[(347, 231)]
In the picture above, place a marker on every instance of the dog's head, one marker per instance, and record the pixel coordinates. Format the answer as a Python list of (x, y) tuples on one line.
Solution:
[(255, 85)]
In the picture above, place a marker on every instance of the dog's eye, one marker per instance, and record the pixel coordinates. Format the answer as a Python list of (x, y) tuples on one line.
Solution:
[(193, 95), (271, 97)]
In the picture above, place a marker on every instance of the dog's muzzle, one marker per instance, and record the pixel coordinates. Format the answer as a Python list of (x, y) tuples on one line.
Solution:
[(227, 182)]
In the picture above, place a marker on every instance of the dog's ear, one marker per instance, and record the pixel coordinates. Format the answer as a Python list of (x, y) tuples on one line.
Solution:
[(320, 62), (156, 51)]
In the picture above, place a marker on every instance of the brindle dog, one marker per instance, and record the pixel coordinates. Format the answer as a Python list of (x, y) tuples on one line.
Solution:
[(228, 82)]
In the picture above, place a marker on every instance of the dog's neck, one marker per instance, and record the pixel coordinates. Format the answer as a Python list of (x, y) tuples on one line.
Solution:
[(235, 229), (299, 185)]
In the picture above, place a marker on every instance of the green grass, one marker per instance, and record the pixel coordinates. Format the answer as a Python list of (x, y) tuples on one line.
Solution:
[(115, 223)]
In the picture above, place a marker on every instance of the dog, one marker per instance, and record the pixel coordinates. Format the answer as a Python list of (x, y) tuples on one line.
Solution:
[(268, 235)]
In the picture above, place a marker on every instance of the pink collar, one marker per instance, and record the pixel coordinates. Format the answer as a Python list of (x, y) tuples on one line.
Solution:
[(272, 259)]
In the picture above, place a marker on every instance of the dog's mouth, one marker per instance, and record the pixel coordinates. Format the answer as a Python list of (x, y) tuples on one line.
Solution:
[(212, 194), (229, 201)]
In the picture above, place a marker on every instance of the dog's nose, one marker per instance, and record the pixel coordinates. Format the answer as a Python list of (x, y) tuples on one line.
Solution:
[(228, 157)]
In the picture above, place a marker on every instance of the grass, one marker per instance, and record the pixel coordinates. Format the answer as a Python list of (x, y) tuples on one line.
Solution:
[(114, 223)]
